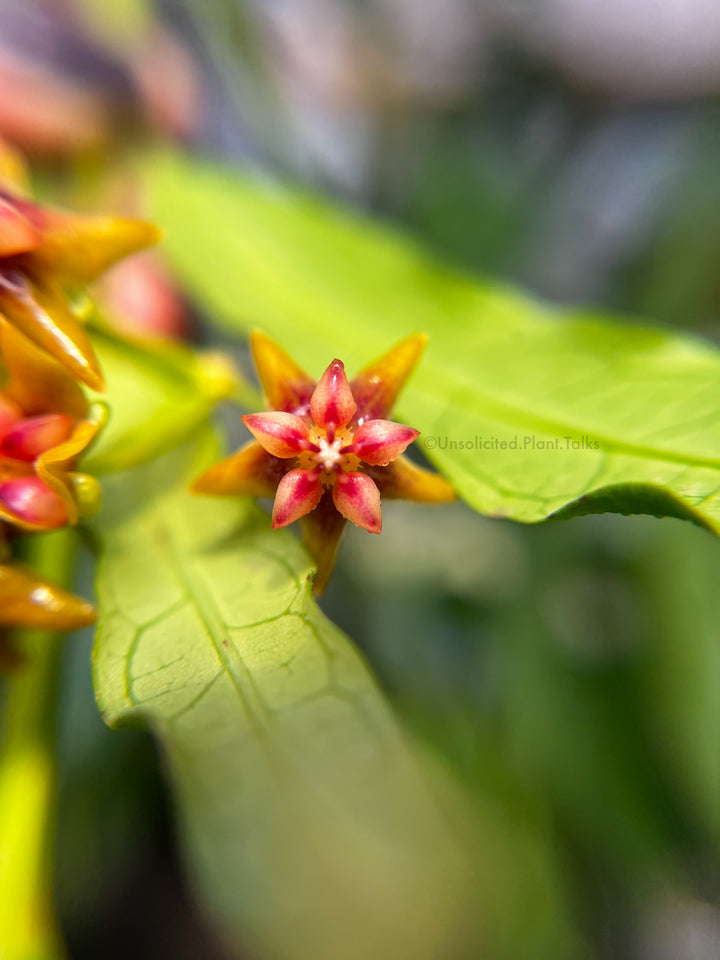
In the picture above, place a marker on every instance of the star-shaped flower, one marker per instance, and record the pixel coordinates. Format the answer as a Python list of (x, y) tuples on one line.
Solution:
[(327, 451), (46, 256)]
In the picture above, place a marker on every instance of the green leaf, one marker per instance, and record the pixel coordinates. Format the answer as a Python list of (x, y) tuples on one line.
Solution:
[(302, 809), (530, 412), (157, 396)]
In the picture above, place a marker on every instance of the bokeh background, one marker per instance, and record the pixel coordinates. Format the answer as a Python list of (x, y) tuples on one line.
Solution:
[(567, 674)]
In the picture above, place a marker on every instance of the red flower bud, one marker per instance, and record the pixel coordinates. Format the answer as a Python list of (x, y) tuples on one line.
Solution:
[(32, 436), (281, 434), (298, 493), (33, 502), (332, 403), (379, 442), (358, 500)]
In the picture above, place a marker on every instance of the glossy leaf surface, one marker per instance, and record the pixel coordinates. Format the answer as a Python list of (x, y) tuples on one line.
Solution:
[(529, 411)]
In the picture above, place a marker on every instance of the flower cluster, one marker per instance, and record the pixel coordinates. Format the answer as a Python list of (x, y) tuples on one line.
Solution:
[(326, 451), (46, 422)]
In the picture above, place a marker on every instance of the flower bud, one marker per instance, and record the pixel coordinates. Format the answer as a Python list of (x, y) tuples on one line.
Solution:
[(30, 437), (33, 502)]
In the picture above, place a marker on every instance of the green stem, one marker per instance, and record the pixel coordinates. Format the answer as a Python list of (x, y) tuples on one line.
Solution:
[(28, 780)]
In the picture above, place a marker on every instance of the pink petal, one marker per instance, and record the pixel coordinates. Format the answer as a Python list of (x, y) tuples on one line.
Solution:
[(298, 493), (358, 500), (33, 502), (379, 442), (32, 436), (332, 402), (281, 434)]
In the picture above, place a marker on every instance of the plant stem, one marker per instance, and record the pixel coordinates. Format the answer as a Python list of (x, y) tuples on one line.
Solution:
[(28, 779)]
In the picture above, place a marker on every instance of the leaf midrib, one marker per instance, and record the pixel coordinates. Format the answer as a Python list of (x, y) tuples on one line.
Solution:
[(196, 592), (517, 417)]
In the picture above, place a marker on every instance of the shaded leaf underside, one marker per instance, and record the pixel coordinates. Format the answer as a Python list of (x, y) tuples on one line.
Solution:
[(295, 788)]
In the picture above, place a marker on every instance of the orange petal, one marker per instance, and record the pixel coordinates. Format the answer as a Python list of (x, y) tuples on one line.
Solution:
[(282, 434), (10, 413), (13, 171), (376, 387), (40, 310), (298, 493), (332, 403), (31, 436), (403, 480), (27, 601), (322, 531), (286, 385), (379, 442), (38, 384), (358, 500), (78, 249), (53, 466), (17, 234), (251, 472)]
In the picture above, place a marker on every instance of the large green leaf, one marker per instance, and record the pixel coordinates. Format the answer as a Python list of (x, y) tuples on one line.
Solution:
[(310, 830), (530, 412)]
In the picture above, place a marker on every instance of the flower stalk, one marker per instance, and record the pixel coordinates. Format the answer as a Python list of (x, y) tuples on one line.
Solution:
[(28, 778)]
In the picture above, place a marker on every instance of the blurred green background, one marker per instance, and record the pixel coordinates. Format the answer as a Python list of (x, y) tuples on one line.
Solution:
[(568, 673)]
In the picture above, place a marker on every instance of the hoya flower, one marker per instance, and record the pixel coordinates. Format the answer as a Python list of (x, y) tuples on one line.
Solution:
[(47, 256), (45, 425), (327, 451)]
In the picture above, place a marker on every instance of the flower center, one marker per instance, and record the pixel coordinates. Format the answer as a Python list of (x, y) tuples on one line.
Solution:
[(329, 456)]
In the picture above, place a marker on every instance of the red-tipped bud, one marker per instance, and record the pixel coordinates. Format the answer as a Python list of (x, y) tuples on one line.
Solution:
[(332, 402), (30, 437), (298, 493), (10, 413), (358, 500), (379, 442), (281, 434), (32, 501)]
